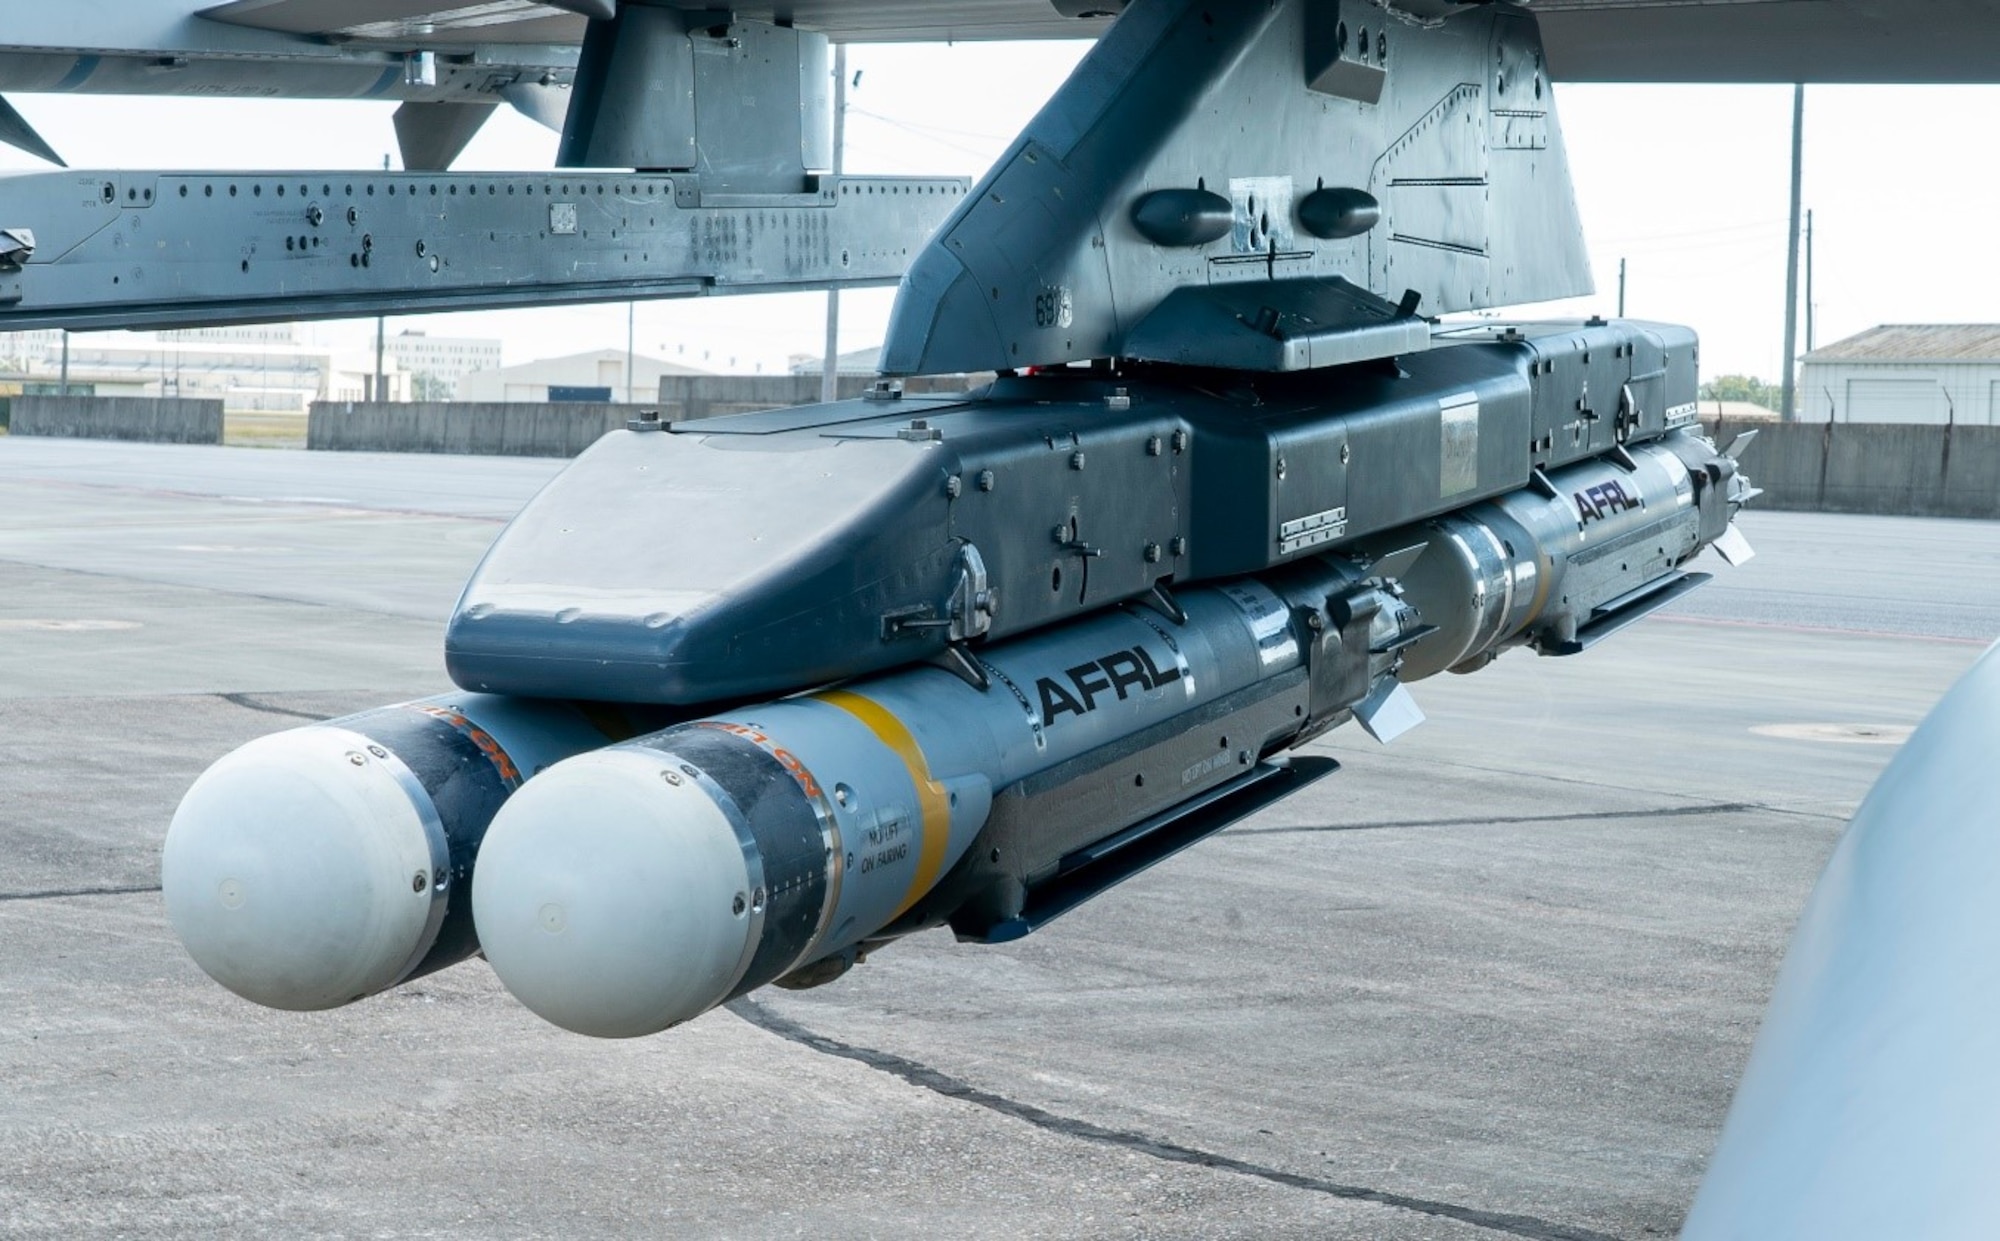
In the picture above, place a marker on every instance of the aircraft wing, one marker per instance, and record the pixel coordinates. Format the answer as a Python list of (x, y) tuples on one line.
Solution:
[(1771, 40), (1587, 40), (444, 22)]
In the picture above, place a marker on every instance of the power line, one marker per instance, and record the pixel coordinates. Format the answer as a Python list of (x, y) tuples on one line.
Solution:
[(915, 132), (1746, 226), (936, 129)]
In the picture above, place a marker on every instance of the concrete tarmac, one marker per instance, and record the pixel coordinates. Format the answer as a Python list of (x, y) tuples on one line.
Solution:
[(1496, 980)]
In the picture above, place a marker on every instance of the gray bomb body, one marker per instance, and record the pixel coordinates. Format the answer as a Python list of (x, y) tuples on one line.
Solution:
[(1542, 563), (312, 867), (636, 887), (632, 888)]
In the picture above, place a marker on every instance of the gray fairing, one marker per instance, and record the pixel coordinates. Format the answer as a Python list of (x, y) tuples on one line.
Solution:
[(1450, 126), (770, 552), (634, 570)]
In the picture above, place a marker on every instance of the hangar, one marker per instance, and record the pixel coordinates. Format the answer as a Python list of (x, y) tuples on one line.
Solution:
[(1908, 373)]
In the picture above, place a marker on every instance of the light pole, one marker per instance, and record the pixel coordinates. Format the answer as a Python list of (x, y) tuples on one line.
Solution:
[(380, 320), (829, 374), (1785, 408)]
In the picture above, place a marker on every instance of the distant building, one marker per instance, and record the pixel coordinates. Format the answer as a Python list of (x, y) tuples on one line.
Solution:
[(862, 366), (437, 363), (597, 375), (853, 362), (21, 350), (239, 334), (258, 369), (1906, 372)]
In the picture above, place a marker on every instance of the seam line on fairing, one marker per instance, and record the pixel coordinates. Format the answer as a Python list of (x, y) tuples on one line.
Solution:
[(933, 803), (924, 1076)]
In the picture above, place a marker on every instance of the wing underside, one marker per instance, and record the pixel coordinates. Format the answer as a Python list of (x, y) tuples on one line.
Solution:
[(441, 23), (1771, 40), (1587, 40)]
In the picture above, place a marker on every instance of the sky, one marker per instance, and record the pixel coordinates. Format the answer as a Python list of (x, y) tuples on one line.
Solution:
[(1687, 184)]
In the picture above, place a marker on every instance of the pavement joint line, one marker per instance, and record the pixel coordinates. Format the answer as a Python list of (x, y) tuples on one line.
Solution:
[(345, 508), (1656, 812), (927, 1078), (251, 704), (323, 604), (54, 893), (1432, 762), (1837, 631)]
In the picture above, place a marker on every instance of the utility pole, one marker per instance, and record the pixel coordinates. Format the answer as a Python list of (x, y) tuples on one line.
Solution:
[(829, 374), (631, 312), (1786, 410), (1621, 288), (62, 385), (378, 393), (1809, 288)]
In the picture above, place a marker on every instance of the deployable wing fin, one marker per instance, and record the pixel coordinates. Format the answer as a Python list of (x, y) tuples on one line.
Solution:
[(432, 135), (16, 132)]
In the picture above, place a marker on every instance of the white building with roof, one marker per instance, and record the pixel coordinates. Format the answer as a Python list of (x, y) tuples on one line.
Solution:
[(1908, 373), (598, 375), (439, 362), (232, 334), (867, 362), (250, 370)]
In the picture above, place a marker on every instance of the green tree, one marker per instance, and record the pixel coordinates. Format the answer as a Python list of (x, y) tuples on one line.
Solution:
[(425, 386), (1742, 388)]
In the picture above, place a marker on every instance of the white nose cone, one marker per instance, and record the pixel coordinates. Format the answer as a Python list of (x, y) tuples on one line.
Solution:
[(614, 897), (301, 871)]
